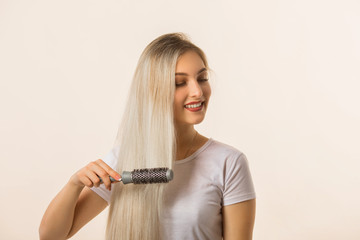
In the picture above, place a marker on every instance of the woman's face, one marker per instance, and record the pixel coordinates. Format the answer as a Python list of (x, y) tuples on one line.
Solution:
[(192, 91)]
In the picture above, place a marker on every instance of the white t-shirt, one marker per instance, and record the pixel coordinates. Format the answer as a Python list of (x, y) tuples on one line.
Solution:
[(215, 175)]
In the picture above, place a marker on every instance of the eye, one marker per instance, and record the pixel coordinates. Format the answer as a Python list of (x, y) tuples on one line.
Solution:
[(180, 84), (203, 80)]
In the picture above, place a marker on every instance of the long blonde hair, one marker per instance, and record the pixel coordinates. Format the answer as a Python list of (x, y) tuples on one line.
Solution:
[(147, 138)]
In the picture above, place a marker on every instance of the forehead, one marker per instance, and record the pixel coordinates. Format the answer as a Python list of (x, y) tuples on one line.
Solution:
[(190, 62)]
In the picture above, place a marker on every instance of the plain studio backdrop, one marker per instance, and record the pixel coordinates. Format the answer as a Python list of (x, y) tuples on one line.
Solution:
[(285, 92)]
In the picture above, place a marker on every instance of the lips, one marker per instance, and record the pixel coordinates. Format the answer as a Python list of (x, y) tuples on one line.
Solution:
[(194, 104), (194, 107)]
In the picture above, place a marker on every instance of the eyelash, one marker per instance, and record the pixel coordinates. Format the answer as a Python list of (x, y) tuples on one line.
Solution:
[(183, 83)]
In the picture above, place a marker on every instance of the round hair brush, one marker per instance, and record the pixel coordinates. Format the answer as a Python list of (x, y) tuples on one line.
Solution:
[(146, 175)]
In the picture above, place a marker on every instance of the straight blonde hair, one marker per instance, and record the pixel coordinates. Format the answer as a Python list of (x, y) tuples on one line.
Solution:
[(147, 139)]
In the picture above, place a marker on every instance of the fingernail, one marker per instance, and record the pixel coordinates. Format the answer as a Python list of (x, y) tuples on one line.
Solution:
[(117, 177)]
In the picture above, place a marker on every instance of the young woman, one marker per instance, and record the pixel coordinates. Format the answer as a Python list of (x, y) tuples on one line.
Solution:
[(212, 194)]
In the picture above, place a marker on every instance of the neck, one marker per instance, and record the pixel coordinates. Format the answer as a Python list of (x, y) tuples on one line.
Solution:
[(184, 135), (184, 140)]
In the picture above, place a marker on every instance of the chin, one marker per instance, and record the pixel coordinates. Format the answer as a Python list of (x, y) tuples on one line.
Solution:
[(195, 121)]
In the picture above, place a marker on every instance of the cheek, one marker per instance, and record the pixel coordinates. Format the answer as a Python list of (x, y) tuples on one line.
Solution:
[(178, 100), (207, 91)]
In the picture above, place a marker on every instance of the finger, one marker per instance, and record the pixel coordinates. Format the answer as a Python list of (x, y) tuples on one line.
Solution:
[(108, 169), (94, 178), (100, 172), (86, 181)]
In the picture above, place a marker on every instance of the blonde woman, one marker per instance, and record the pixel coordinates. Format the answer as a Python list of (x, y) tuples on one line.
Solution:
[(212, 194)]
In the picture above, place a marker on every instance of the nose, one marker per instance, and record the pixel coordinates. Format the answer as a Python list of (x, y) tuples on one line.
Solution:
[(195, 89)]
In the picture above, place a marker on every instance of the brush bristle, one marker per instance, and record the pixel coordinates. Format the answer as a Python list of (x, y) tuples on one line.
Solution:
[(149, 175)]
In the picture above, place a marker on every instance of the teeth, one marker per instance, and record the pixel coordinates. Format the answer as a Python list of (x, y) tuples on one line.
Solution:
[(193, 105)]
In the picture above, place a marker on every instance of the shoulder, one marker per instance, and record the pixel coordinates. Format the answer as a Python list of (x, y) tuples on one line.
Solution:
[(224, 149), (226, 156)]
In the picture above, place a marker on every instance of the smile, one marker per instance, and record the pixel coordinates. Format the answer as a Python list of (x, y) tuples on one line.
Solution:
[(193, 105)]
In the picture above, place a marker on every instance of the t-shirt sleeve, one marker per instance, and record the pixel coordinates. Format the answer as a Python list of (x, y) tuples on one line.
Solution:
[(111, 160), (238, 184)]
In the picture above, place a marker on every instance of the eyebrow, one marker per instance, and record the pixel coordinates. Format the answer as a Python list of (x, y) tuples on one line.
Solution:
[(185, 74)]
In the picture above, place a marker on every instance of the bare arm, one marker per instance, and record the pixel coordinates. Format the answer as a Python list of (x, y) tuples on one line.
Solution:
[(238, 220), (75, 205), (88, 206)]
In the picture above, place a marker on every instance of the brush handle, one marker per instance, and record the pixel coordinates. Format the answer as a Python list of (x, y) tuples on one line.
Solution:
[(114, 180), (111, 179)]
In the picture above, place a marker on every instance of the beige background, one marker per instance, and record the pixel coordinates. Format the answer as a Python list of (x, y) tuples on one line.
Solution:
[(285, 93)]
